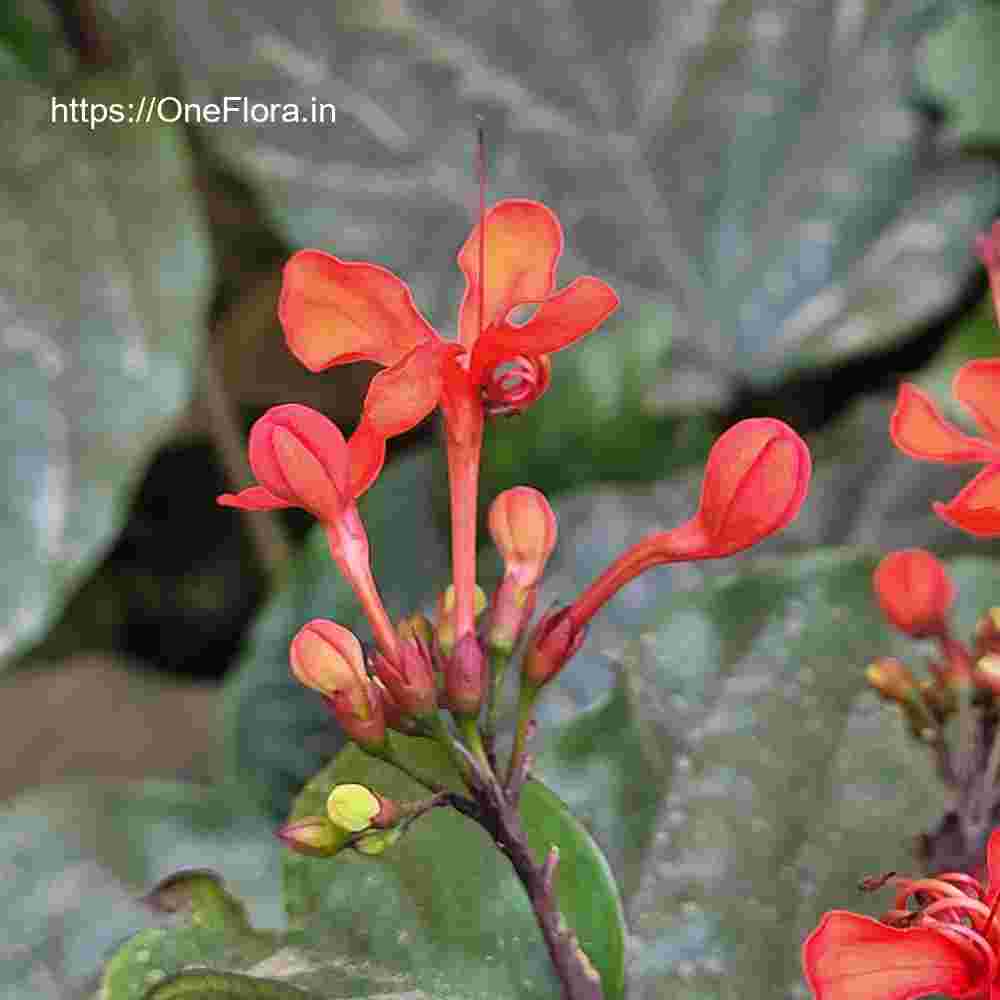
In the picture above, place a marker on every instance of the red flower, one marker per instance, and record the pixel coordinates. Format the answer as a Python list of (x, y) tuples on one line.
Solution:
[(947, 944), (915, 592), (919, 430), (336, 311)]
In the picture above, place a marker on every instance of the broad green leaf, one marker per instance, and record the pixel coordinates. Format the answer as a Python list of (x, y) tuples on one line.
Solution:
[(278, 733), (224, 986), (789, 781), (958, 67), (106, 276), (442, 906), (78, 857), (762, 172)]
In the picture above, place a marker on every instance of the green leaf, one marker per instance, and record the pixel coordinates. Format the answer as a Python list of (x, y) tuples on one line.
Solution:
[(789, 781), (959, 68), (224, 986), (79, 856), (278, 733), (443, 906), (106, 276), (763, 173)]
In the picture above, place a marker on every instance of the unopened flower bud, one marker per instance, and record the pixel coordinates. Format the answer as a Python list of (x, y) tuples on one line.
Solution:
[(410, 681), (465, 677), (328, 658), (446, 617), (314, 836), (523, 528), (988, 633), (987, 672), (554, 642), (914, 592), (891, 679), (377, 841), (355, 808)]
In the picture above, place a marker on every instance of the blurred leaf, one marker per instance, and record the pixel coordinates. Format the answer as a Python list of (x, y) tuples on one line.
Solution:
[(278, 733), (225, 986), (464, 928), (106, 275), (78, 856), (959, 68), (762, 172), (30, 45)]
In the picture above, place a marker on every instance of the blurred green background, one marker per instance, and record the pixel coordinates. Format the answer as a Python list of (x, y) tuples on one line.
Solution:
[(784, 195)]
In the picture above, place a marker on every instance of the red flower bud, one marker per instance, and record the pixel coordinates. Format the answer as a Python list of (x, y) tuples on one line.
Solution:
[(465, 677), (756, 479), (524, 531), (410, 681), (555, 641), (328, 658), (915, 592), (314, 836)]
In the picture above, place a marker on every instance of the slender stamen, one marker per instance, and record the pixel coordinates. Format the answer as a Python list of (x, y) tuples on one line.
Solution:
[(481, 165)]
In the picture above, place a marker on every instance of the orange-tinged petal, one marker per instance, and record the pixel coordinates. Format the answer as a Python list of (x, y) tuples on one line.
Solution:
[(976, 509), (334, 311), (401, 396), (367, 453), (919, 430), (252, 498), (977, 387), (523, 244), (851, 957), (562, 319)]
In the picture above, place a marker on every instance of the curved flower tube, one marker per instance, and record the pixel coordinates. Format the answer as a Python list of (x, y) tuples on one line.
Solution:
[(335, 312), (756, 480), (941, 936)]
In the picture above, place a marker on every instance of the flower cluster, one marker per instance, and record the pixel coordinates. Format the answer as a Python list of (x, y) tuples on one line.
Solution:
[(443, 680), (334, 312)]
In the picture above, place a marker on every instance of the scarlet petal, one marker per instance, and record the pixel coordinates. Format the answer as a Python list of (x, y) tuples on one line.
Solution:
[(851, 957), (523, 243), (367, 450), (300, 456), (335, 311), (977, 387), (919, 430), (252, 498), (976, 509), (401, 396), (562, 319)]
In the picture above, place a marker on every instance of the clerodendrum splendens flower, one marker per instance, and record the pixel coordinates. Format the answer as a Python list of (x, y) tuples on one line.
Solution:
[(336, 311), (920, 430), (941, 936)]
